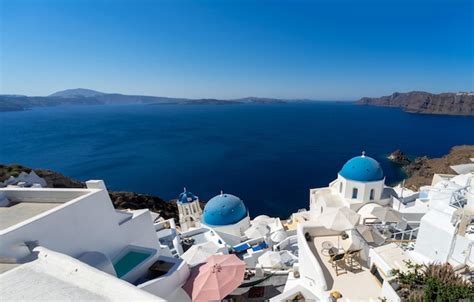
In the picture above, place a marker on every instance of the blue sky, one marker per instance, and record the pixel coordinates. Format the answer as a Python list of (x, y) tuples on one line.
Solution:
[(227, 49)]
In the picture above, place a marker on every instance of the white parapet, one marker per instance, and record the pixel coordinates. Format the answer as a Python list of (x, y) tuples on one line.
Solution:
[(96, 184)]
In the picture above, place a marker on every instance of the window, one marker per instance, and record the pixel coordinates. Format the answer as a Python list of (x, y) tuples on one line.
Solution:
[(372, 194), (321, 210), (354, 193), (376, 273), (340, 187)]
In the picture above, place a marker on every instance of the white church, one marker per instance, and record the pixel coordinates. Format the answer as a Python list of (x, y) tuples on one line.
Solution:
[(359, 183)]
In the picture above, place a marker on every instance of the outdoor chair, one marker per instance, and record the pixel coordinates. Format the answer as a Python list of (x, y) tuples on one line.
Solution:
[(338, 262), (352, 256)]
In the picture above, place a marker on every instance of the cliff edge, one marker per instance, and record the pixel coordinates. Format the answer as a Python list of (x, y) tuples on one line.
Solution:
[(424, 102), (420, 171)]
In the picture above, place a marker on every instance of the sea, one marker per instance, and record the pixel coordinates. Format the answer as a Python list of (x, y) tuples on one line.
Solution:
[(269, 155)]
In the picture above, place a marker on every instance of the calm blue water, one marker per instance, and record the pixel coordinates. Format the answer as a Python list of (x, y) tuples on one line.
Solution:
[(269, 155)]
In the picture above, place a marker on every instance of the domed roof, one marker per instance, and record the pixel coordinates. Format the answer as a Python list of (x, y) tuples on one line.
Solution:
[(224, 209), (261, 218), (278, 236), (186, 197), (362, 168)]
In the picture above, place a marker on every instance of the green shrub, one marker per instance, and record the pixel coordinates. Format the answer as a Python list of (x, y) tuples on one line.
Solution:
[(433, 282)]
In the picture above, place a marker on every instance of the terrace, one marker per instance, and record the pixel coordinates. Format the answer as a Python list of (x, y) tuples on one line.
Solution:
[(348, 277), (332, 261)]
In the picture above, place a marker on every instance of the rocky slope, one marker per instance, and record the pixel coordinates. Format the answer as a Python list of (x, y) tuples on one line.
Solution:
[(424, 102), (420, 172), (135, 201), (53, 179), (121, 200)]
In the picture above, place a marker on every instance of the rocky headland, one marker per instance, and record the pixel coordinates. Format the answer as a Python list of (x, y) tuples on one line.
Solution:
[(425, 102), (399, 157), (420, 171)]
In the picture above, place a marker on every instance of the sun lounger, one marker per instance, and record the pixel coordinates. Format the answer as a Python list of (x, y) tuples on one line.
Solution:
[(241, 247)]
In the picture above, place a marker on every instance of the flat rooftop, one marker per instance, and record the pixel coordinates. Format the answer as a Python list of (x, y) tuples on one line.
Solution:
[(394, 256), (355, 284), (26, 203), (22, 211)]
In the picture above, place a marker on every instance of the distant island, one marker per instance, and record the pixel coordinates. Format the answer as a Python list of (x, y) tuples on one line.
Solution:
[(461, 103), (81, 96)]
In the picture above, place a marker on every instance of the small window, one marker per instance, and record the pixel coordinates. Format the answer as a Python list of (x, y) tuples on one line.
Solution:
[(354, 193), (321, 210), (376, 274), (340, 187), (372, 193)]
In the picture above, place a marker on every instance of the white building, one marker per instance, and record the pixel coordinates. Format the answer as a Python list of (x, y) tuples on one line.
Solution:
[(190, 211), (82, 225), (446, 232), (360, 182), (55, 276)]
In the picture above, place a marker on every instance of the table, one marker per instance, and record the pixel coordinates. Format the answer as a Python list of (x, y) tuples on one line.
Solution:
[(326, 246)]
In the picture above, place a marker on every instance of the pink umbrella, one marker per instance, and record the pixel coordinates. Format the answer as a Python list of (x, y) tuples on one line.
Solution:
[(215, 279)]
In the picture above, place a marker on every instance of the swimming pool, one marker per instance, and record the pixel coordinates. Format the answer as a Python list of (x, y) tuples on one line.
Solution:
[(130, 260)]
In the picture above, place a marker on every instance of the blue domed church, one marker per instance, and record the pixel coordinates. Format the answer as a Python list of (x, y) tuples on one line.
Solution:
[(227, 215), (360, 181)]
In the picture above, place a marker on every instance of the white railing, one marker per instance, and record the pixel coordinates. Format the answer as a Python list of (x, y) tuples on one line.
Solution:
[(406, 235), (458, 199), (286, 242)]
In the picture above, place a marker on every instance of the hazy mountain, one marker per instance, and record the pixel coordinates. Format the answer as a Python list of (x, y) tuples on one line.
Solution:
[(78, 92), (82, 96), (461, 103)]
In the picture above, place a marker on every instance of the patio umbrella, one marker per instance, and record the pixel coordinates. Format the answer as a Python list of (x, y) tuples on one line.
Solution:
[(340, 219), (257, 230), (217, 278), (387, 214), (366, 233), (199, 253)]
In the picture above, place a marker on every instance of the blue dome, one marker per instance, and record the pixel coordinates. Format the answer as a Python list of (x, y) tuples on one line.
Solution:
[(362, 168), (224, 209), (186, 197)]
